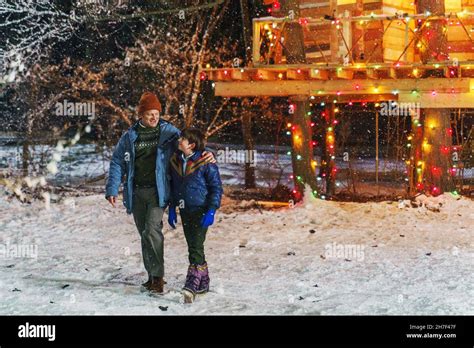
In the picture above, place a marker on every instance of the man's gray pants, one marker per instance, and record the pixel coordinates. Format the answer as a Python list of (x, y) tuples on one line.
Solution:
[(148, 219)]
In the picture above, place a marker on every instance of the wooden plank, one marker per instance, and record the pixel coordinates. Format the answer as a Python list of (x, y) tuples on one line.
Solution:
[(373, 74), (396, 45), (345, 74), (296, 74), (452, 6), (467, 73), (319, 74), (357, 98), (457, 33), (393, 73), (461, 47), (371, 35), (346, 2), (391, 55), (372, 7), (224, 74), (372, 25), (462, 56), (314, 12), (399, 4), (266, 75), (295, 87), (256, 43), (240, 74)]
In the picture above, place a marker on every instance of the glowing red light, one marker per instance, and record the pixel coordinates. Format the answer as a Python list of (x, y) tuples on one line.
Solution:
[(303, 21), (436, 171)]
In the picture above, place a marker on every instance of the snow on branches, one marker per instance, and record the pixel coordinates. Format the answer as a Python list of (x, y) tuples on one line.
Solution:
[(29, 29)]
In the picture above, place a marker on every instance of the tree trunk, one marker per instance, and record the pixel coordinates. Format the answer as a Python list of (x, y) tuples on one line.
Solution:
[(328, 167), (437, 139), (247, 114), (302, 154), (246, 30), (249, 146), (25, 155), (437, 150)]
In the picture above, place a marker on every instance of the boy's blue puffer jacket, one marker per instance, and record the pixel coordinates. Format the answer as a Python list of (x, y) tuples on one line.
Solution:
[(201, 185)]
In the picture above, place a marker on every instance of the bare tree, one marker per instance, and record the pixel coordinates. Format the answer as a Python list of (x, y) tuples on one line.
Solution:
[(173, 54), (27, 30)]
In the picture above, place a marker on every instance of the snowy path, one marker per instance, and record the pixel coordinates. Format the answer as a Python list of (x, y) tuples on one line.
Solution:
[(95, 250)]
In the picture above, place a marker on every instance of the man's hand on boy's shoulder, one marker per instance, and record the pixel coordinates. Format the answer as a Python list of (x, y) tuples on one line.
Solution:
[(209, 156)]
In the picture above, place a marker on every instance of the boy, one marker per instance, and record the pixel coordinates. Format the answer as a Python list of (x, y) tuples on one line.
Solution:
[(196, 189)]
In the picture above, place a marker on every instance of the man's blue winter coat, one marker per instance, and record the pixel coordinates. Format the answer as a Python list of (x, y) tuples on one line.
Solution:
[(122, 165), (199, 187)]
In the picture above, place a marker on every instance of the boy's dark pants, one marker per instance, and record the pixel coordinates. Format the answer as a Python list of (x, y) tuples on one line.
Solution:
[(195, 234)]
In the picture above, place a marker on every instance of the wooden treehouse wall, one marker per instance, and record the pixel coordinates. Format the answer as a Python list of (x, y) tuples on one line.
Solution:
[(382, 41)]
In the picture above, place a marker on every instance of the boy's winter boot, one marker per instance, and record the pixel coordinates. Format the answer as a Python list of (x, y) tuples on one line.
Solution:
[(204, 284), (193, 279)]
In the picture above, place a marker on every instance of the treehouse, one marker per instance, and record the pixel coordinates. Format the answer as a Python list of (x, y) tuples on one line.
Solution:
[(419, 54)]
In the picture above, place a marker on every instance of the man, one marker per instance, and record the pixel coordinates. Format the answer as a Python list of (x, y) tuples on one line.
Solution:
[(140, 160)]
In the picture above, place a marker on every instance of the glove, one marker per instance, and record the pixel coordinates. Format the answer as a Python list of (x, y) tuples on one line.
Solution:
[(208, 218), (172, 217)]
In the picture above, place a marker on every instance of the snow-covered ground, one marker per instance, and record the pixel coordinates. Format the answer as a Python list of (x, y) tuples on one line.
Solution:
[(319, 257)]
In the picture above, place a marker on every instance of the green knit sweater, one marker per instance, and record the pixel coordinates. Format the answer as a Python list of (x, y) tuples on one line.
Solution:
[(145, 155)]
